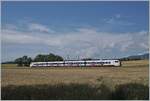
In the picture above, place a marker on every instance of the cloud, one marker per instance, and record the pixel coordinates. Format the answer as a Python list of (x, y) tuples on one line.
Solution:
[(118, 20), (10, 26), (118, 16), (39, 27), (83, 42), (11, 36)]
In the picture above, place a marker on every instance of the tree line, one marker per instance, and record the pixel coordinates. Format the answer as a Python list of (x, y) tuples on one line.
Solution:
[(25, 60)]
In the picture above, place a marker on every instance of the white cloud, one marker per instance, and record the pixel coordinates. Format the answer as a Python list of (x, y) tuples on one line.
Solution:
[(11, 36), (118, 16), (10, 26), (110, 21), (39, 27), (118, 20), (83, 42)]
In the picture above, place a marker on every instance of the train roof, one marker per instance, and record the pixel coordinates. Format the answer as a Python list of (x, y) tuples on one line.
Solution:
[(78, 61)]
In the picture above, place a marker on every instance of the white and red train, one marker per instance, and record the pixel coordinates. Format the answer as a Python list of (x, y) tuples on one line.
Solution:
[(77, 63)]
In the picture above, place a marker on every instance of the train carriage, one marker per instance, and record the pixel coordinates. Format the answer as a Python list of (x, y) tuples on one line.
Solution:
[(76, 63)]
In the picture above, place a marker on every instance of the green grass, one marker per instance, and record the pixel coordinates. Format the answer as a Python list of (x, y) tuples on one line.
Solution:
[(130, 91)]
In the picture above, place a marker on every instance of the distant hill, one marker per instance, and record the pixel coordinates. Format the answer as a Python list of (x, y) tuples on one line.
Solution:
[(137, 57), (8, 62)]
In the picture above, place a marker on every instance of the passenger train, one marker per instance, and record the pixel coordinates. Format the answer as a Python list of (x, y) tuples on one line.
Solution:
[(77, 63)]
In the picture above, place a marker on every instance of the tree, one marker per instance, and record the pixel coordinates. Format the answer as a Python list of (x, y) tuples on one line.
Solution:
[(29, 60), (49, 57), (58, 58), (23, 61), (19, 61), (39, 58)]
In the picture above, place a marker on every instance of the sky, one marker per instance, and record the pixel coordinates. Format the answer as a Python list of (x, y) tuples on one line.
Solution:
[(89, 29)]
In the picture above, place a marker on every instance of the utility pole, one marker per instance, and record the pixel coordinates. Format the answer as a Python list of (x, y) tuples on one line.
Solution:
[(67, 57), (78, 57)]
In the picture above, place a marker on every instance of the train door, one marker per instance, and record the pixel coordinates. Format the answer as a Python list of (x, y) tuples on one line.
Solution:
[(85, 63)]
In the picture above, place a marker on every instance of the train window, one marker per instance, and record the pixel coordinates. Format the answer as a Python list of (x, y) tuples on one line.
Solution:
[(116, 61)]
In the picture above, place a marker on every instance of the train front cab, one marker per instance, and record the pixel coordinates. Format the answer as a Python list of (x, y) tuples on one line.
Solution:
[(117, 63)]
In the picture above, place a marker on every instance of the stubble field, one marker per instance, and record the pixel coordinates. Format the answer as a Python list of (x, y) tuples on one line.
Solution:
[(129, 72)]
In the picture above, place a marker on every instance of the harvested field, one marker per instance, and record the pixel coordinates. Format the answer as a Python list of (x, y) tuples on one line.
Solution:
[(130, 72)]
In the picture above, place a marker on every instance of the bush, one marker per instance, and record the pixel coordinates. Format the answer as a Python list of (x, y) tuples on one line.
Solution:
[(131, 91), (55, 92), (75, 92)]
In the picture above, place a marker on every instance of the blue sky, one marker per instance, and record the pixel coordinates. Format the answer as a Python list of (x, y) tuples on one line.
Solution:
[(79, 29)]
